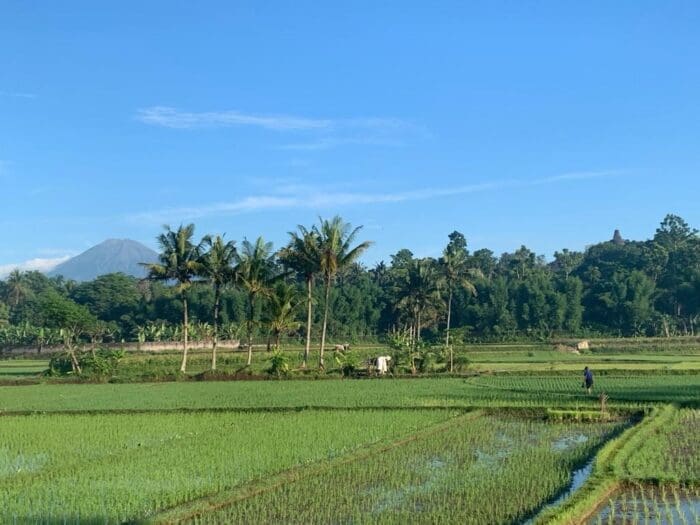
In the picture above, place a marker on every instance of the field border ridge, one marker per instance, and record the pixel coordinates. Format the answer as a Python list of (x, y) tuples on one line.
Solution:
[(608, 474)]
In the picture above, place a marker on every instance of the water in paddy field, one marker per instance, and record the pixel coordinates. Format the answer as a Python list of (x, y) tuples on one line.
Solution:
[(567, 442), (578, 478), (651, 506)]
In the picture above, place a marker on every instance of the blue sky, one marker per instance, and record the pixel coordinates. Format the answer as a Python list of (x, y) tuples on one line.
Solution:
[(547, 124)]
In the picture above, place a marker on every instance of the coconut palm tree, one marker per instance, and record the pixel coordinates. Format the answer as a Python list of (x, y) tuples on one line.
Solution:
[(336, 253), (454, 266), (217, 269), (16, 288), (420, 290), (302, 255), (282, 303), (255, 273), (179, 261)]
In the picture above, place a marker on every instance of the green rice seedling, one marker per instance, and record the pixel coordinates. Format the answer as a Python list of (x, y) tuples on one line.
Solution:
[(492, 391), (671, 453), (122, 467), (488, 470), (667, 504)]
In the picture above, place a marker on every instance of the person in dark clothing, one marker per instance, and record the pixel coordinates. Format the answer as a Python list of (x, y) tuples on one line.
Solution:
[(587, 379)]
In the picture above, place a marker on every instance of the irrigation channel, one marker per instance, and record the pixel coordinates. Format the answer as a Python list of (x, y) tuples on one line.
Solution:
[(578, 478)]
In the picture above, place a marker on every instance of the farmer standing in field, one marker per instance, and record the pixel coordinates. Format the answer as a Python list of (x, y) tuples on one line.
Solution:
[(587, 379)]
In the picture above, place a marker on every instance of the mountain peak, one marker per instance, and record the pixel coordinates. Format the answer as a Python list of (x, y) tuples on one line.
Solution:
[(110, 256)]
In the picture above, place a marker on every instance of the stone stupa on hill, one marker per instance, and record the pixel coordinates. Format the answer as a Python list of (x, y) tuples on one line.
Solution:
[(617, 238)]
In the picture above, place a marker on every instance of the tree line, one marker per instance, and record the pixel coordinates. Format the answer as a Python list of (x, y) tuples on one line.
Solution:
[(314, 288)]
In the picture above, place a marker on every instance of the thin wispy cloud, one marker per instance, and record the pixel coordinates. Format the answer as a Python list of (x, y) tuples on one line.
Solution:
[(315, 134), (39, 264), (306, 197), (170, 117), (173, 118), (580, 175), (15, 94), (329, 143)]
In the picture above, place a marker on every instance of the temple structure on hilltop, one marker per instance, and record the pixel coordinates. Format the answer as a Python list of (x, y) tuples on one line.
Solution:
[(617, 238)]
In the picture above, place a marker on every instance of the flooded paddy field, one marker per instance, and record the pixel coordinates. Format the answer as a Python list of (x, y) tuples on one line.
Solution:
[(651, 505), (478, 469)]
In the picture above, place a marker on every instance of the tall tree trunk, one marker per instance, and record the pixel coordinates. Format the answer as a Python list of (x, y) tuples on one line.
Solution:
[(447, 331), (277, 341), (307, 348), (250, 345), (325, 321), (185, 326), (74, 362), (75, 365), (251, 312), (418, 327), (449, 316), (217, 300)]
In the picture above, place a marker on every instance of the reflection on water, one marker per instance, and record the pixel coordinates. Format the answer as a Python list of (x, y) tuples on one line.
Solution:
[(651, 506)]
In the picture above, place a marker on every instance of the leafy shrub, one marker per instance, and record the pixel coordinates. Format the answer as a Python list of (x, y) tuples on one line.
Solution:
[(60, 364), (279, 364), (461, 362), (348, 363), (95, 363), (100, 362)]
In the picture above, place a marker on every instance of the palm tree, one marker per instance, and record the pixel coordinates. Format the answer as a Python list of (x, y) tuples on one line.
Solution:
[(179, 262), (419, 291), (336, 254), (217, 268), (455, 272), (16, 287), (254, 270), (303, 256), (283, 304)]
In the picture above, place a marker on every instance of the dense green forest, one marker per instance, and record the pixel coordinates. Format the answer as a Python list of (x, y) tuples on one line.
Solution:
[(617, 287)]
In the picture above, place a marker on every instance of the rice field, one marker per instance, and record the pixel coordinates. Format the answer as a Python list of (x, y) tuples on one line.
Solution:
[(483, 391), (528, 445), (670, 454), (119, 467), (651, 505), (13, 369), (485, 470)]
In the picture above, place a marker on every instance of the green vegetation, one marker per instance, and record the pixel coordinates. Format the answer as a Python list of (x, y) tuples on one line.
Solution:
[(335, 450), (22, 368), (116, 468), (533, 359), (485, 470), (207, 291), (496, 391), (458, 431), (671, 454), (653, 505), (634, 459)]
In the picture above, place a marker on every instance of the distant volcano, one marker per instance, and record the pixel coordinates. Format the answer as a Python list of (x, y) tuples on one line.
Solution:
[(110, 256)]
